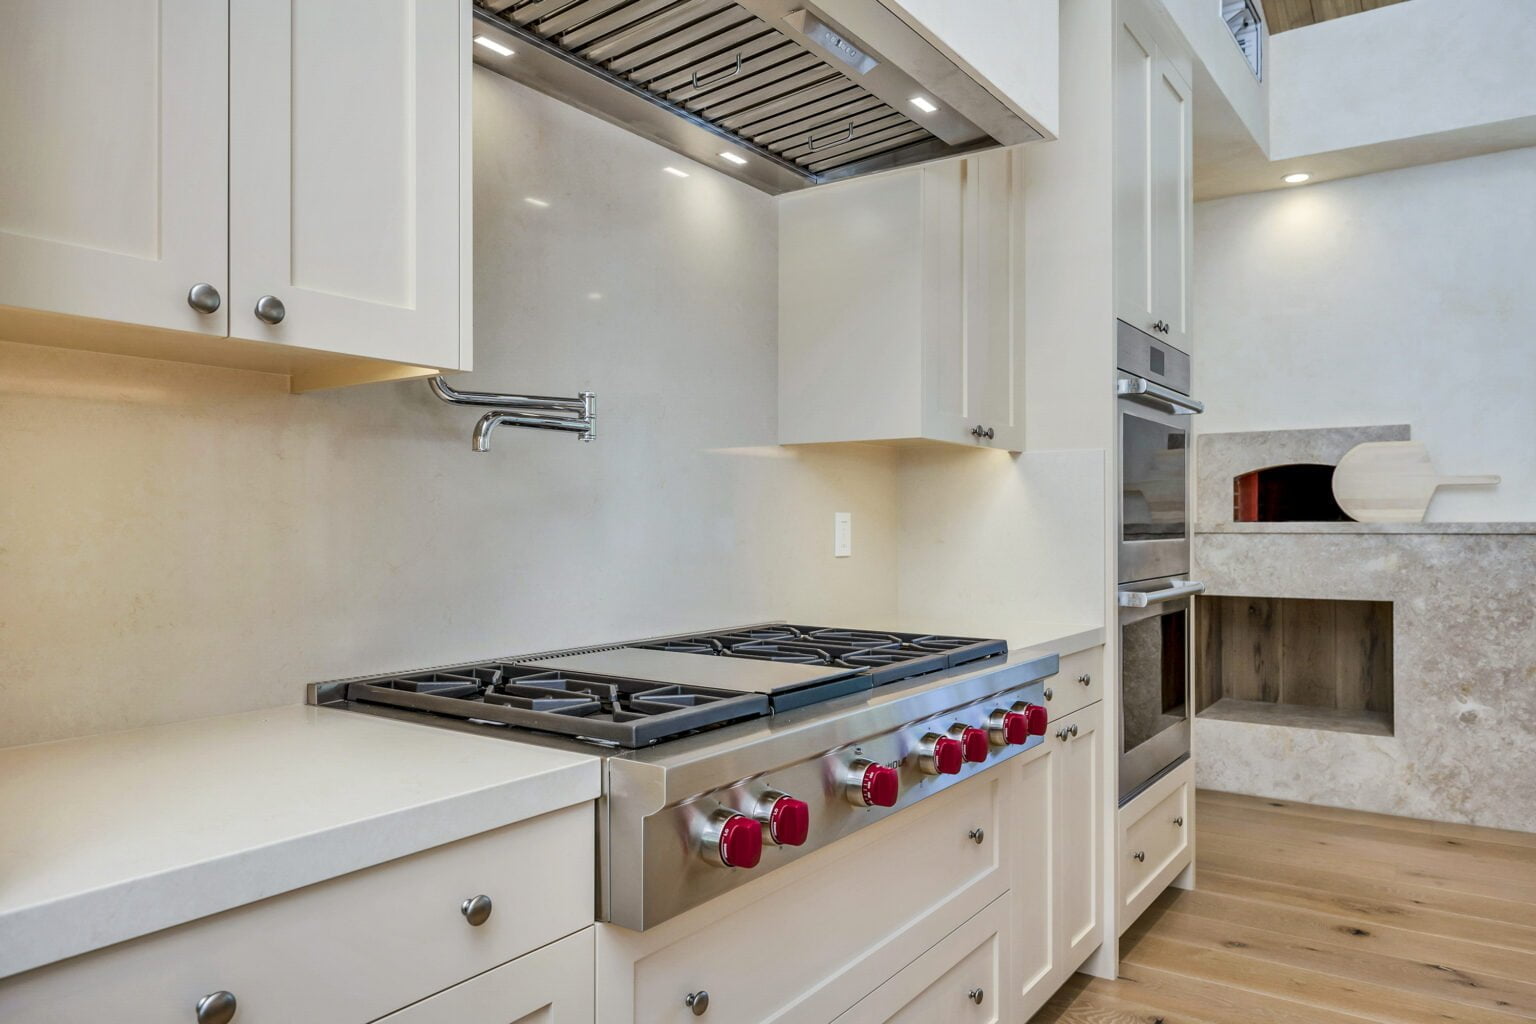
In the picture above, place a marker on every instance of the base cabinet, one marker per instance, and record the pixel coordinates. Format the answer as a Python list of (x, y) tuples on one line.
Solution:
[(1154, 841), (552, 985), (961, 979)]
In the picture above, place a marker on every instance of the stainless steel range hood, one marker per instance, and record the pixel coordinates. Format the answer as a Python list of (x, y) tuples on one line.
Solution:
[(802, 94)]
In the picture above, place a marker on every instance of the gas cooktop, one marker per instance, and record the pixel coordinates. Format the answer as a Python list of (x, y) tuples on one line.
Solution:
[(641, 693)]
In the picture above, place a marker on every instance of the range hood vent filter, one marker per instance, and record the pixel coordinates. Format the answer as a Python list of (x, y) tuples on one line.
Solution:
[(802, 99)]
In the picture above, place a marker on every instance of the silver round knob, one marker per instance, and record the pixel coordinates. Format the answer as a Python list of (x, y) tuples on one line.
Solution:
[(698, 1002), (978, 836), (1179, 821), (204, 298), (1048, 693), (976, 995), (1139, 855), (476, 910), (1085, 679), (270, 309), (216, 1008)]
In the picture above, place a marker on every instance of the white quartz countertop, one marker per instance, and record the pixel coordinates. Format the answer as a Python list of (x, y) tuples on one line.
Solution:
[(110, 837)]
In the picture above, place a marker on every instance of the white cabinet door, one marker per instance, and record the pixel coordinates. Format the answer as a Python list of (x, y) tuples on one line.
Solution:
[(1171, 153), (115, 125), (348, 162), (1135, 72), (1080, 795), (553, 985), (960, 980), (1032, 831)]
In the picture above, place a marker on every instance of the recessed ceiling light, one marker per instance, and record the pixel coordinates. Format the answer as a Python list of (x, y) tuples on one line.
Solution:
[(924, 104), (493, 46), (1297, 178), (594, 295), (675, 172), (733, 158), (533, 201)]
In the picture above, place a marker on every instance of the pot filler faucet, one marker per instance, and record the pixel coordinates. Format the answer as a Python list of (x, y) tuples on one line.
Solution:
[(572, 414)]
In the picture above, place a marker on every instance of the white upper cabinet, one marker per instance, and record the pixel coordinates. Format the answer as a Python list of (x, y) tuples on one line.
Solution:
[(347, 166), (1153, 180), (313, 158), (1011, 45), (899, 306), (114, 117)]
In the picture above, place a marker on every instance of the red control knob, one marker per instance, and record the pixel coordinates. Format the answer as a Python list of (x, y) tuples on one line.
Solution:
[(740, 842), (787, 820), (940, 755), (1008, 728), (872, 785), (975, 743), (1037, 717)]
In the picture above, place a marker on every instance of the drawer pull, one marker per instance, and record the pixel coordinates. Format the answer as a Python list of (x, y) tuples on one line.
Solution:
[(1139, 856), (977, 836), (976, 995), (216, 1008), (1085, 679), (698, 1002), (1049, 693), (476, 910), (1179, 821)]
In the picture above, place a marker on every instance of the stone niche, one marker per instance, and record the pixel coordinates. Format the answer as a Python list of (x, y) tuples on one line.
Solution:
[(1307, 663)]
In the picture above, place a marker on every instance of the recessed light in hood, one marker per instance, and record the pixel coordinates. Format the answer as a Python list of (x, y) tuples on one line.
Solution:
[(799, 96), (490, 44)]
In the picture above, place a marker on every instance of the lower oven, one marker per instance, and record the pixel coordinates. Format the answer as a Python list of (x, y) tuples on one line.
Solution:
[(1156, 619)]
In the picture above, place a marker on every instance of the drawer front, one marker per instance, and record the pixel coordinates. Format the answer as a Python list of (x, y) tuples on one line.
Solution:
[(1154, 841), (552, 985), (1068, 692), (961, 980), (346, 950), (806, 947)]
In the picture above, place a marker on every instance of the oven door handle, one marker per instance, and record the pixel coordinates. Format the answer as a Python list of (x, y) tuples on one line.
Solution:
[(1143, 598), (1139, 389)]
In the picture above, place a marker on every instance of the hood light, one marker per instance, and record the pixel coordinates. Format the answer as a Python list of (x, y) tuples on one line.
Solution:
[(675, 172), (535, 201), (924, 104), (493, 46), (733, 158), (1297, 178)]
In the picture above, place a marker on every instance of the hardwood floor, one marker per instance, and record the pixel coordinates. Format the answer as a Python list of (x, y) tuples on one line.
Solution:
[(1314, 915)]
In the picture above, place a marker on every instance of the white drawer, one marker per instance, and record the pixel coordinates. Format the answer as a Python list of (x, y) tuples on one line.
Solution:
[(552, 985), (961, 980), (346, 950), (807, 942), (1067, 689), (1155, 831)]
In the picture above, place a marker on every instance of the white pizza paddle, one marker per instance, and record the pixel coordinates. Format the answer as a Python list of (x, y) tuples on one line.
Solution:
[(1392, 482)]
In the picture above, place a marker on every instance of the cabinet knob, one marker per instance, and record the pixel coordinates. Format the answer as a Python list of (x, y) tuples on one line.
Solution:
[(216, 1008), (1085, 679), (204, 298), (976, 995), (1162, 327), (1179, 821), (270, 309), (1073, 729), (978, 835), (476, 910), (1048, 693), (982, 433), (698, 1002), (1139, 855)]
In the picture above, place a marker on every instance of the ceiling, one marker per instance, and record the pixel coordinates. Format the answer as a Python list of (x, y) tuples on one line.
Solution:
[(1284, 15)]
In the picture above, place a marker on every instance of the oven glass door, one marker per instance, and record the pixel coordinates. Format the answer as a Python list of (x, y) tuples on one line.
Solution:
[(1154, 520), (1154, 691)]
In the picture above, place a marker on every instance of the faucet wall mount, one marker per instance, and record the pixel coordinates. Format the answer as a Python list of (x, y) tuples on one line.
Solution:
[(577, 415)]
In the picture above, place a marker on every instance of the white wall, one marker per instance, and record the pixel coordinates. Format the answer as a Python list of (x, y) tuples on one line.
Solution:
[(180, 541), (1400, 297), (1399, 72)]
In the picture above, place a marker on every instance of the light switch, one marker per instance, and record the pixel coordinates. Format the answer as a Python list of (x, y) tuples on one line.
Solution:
[(842, 534)]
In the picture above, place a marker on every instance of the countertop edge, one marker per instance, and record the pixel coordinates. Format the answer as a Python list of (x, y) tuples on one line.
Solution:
[(138, 907)]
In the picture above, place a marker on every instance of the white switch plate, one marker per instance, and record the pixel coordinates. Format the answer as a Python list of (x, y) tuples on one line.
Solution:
[(842, 534)]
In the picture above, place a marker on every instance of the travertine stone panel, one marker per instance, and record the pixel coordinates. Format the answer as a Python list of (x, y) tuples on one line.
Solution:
[(1464, 615)]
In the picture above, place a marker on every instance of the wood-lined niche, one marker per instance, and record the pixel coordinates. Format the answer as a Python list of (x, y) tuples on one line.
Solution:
[(1289, 661)]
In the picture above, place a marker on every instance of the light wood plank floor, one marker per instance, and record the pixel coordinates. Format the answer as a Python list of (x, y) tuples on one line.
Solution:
[(1313, 915)]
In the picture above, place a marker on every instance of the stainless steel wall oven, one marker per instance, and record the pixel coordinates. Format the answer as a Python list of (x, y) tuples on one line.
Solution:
[(1155, 596)]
